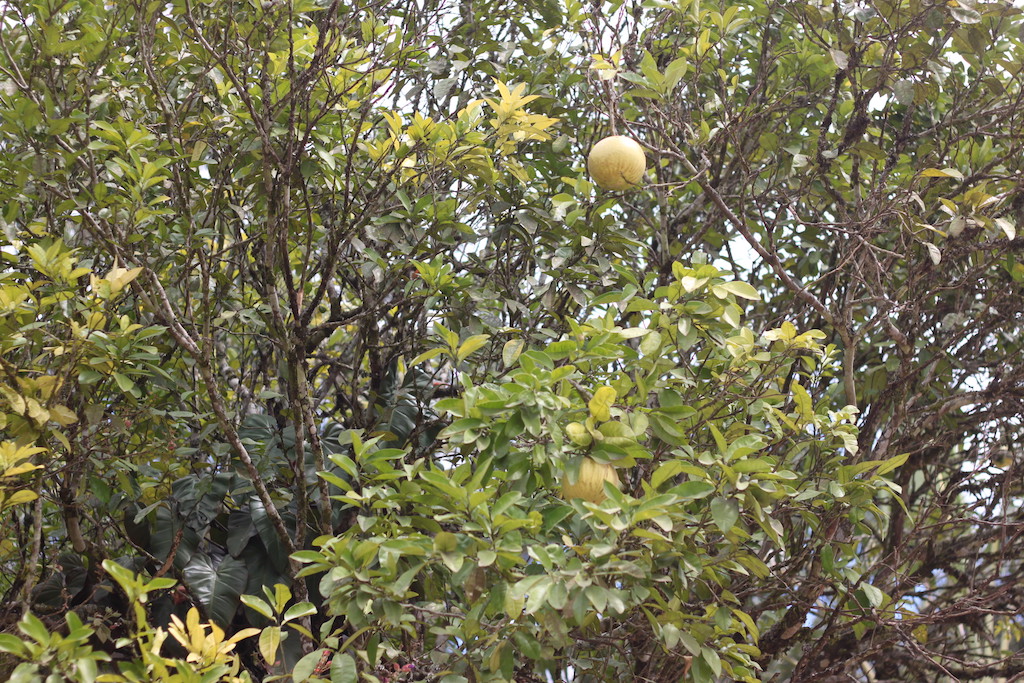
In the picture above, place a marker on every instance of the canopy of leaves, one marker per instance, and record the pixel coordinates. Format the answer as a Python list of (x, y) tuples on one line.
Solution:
[(311, 312)]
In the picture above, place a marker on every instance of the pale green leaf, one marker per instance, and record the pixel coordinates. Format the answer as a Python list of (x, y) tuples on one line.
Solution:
[(725, 512), (742, 290)]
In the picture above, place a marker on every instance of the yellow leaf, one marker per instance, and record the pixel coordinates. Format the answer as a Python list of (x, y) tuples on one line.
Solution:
[(38, 413), (62, 415), (511, 350), (45, 385), (11, 453), (427, 355), (804, 404), (16, 401), (600, 405), (1007, 227), (20, 497), (243, 634), (270, 640), (119, 278), (471, 344), (20, 469), (942, 173)]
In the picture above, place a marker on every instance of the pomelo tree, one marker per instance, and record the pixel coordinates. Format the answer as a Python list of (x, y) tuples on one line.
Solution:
[(324, 358)]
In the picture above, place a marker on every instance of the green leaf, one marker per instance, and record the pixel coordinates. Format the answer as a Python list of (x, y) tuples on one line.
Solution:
[(752, 465), (279, 596), (276, 552), (218, 587), (651, 344), (670, 636), (690, 643), (633, 332), (445, 542), (712, 660), (892, 463), (905, 91), (12, 645), (343, 669), (840, 58), (304, 667), (257, 605), (748, 623), (402, 583), (725, 512), (723, 447), (742, 290), (665, 428), (874, 596), (538, 594), (527, 644), (965, 15), (666, 471), (299, 610), (32, 627), (124, 383), (692, 490), (598, 597)]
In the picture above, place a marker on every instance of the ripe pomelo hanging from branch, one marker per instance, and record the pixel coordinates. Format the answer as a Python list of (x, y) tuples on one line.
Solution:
[(590, 484), (617, 163)]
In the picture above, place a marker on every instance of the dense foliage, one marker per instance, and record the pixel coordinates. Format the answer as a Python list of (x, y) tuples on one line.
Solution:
[(311, 314)]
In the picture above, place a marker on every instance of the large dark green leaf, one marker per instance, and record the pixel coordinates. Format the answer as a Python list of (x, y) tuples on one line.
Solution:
[(240, 529), (276, 551), (165, 530), (217, 585)]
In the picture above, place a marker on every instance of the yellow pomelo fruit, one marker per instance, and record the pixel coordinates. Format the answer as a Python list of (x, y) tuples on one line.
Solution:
[(590, 485), (617, 163)]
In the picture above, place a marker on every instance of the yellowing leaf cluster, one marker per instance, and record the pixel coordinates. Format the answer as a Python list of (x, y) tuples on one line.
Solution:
[(116, 280), (205, 642), (14, 461), (512, 123), (788, 335), (459, 146)]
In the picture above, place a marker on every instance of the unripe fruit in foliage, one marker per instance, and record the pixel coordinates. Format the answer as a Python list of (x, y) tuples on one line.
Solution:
[(578, 434), (617, 163), (590, 485)]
